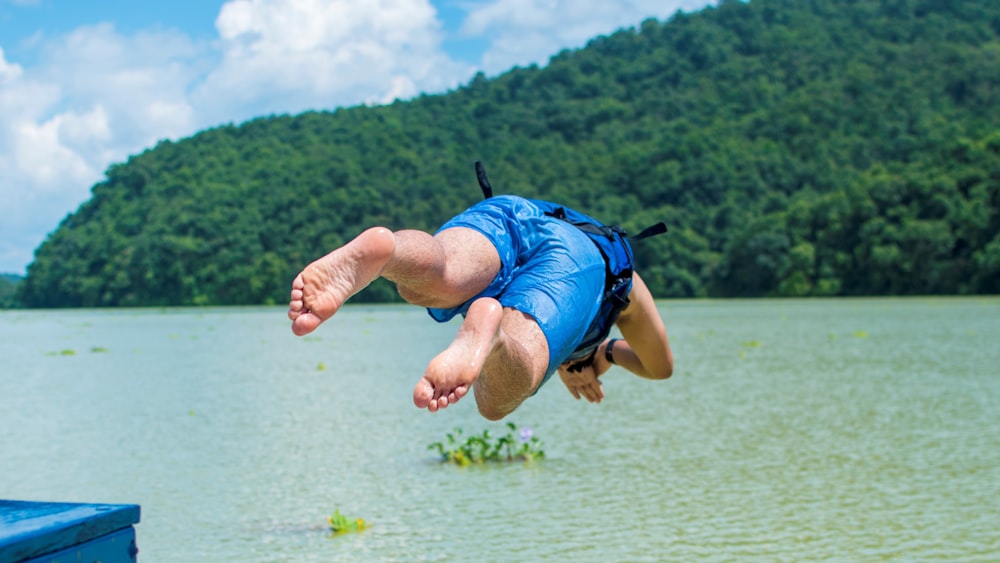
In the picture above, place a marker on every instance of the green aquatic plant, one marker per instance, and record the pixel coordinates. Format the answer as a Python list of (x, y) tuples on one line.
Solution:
[(748, 344), (515, 445), (99, 350), (341, 524)]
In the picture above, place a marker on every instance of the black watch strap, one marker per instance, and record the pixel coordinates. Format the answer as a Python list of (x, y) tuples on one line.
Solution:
[(609, 350)]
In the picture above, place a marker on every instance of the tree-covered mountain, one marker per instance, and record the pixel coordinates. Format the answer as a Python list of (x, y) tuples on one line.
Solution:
[(8, 287), (793, 147)]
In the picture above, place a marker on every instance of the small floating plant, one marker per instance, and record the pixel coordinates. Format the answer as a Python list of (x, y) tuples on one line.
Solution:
[(515, 445), (341, 524)]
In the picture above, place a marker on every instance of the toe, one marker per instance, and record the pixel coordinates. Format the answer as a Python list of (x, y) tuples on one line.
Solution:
[(423, 394), (304, 323)]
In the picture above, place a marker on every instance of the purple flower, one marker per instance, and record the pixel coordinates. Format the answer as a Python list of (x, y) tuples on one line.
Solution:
[(525, 434)]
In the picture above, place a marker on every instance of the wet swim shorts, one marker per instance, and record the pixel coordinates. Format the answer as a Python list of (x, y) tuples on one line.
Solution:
[(549, 269)]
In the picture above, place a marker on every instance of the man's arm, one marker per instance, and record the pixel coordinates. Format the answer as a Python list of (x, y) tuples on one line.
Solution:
[(645, 350)]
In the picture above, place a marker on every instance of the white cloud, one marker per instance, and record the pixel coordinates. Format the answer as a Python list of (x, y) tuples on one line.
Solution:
[(132, 77), (284, 56), (45, 154), (8, 71), (524, 32)]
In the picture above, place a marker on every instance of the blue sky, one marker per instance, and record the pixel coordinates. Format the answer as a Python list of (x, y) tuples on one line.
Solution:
[(85, 84)]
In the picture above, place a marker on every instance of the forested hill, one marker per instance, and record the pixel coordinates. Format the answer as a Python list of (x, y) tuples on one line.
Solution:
[(818, 147)]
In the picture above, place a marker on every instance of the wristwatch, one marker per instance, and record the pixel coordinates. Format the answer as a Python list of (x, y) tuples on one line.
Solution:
[(609, 350)]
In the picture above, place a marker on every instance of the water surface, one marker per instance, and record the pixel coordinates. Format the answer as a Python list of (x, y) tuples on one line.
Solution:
[(861, 429)]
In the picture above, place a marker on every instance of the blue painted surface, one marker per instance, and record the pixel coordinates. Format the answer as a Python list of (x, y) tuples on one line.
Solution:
[(37, 531), (116, 547)]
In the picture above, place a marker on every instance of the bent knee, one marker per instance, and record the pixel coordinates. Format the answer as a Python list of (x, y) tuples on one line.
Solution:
[(429, 299), (493, 412), (496, 408), (418, 298)]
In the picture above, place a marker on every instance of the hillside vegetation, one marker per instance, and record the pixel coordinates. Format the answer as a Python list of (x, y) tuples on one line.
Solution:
[(8, 287), (794, 148)]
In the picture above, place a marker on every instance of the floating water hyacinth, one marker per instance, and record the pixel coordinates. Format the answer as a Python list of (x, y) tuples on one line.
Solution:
[(341, 524), (525, 435), (481, 448)]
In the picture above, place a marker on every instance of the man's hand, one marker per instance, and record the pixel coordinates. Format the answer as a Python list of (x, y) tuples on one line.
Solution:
[(584, 382)]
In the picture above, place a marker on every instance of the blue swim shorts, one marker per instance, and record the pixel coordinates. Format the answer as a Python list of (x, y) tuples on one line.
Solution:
[(549, 269)]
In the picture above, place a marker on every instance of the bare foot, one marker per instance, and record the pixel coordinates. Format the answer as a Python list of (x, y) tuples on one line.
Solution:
[(323, 287), (450, 374)]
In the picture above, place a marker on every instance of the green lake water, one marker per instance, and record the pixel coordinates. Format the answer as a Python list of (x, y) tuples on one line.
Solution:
[(792, 430)]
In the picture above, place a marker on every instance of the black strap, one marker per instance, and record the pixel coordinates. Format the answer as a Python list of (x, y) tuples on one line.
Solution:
[(652, 230), (608, 230), (659, 228), (484, 183)]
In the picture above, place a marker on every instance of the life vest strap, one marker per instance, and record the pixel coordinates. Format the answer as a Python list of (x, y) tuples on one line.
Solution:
[(652, 230), (484, 183)]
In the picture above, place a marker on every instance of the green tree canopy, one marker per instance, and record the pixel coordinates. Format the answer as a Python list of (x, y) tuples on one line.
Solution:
[(828, 147)]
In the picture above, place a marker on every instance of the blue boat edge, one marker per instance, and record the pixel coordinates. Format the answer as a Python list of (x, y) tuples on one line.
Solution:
[(36, 532)]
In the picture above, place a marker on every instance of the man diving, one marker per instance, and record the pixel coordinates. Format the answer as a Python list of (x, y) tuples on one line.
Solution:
[(539, 285)]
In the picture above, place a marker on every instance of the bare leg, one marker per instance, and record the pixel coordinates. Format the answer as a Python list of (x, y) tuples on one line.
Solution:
[(501, 351), (450, 374), (515, 369), (440, 271)]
